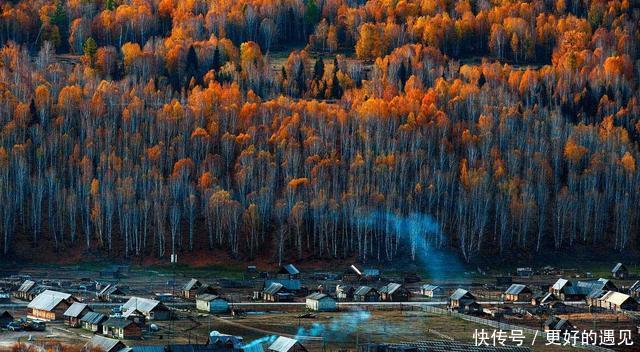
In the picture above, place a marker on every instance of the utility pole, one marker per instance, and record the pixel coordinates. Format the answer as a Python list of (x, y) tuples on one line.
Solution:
[(174, 261)]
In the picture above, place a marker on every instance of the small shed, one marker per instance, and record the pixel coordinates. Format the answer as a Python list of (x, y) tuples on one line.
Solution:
[(5, 318), (366, 294), (321, 302), (460, 299), (26, 291), (289, 271), (518, 293), (345, 292), (121, 328), (212, 303), (103, 344), (110, 292), (92, 321), (524, 272), (394, 292), (543, 298), (618, 301), (225, 341), (191, 288), (431, 290), (634, 290), (285, 344), (73, 315), (620, 271)]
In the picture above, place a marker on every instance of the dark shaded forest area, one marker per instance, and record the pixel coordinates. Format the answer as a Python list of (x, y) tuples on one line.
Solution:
[(144, 127)]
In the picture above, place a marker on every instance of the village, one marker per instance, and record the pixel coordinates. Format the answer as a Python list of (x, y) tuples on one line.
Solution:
[(119, 308)]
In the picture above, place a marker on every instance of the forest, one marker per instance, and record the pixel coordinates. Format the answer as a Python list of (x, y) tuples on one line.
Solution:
[(149, 127)]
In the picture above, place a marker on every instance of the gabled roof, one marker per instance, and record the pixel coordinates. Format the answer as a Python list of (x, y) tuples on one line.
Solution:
[(208, 297), (118, 322), (26, 286), (390, 288), (93, 318), (144, 305), (635, 287), (216, 338), (102, 343), (461, 293), (290, 269), (6, 314), (430, 287), (556, 323), (48, 300), (193, 283), (618, 267), (109, 290), (516, 289), (316, 296), (586, 287), (363, 290), (616, 298), (75, 310), (356, 270), (283, 344), (273, 288), (344, 288), (560, 284), (549, 297)]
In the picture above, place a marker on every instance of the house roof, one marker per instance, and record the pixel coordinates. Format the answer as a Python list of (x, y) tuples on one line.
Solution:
[(549, 297), (273, 288), (363, 290), (430, 287), (560, 284), (371, 272), (109, 290), (48, 300), (344, 288), (461, 293), (101, 343), (193, 283), (316, 296), (118, 322), (618, 267), (282, 344), (390, 288), (290, 269), (75, 310), (6, 314), (144, 305), (216, 338), (356, 270), (208, 297), (616, 298), (516, 289), (26, 286), (635, 287), (93, 318)]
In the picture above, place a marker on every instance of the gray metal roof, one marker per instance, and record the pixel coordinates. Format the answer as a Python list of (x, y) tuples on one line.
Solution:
[(26, 286), (291, 269), (48, 300), (516, 289), (460, 293), (617, 268), (75, 310), (390, 288), (109, 290), (144, 305), (273, 288), (118, 322), (316, 296), (102, 343), (93, 318), (363, 290), (560, 284), (430, 287), (191, 284), (282, 344)]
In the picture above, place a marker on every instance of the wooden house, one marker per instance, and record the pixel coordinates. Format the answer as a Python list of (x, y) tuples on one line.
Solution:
[(225, 342), (74, 313), (110, 293), (634, 290), (543, 298), (49, 305), (92, 321), (212, 303), (26, 291), (150, 308), (321, 302), (461, 299), (285, 344), (394, 292), (121, 328), (620, 271), (345, 292), (366, 294), (431, 291), (615, 301), (288, 271), (190, 289), (276, 292), (103, 344), (518, 293)]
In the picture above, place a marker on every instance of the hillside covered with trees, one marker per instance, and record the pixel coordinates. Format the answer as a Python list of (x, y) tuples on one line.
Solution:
[(142, 127)]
